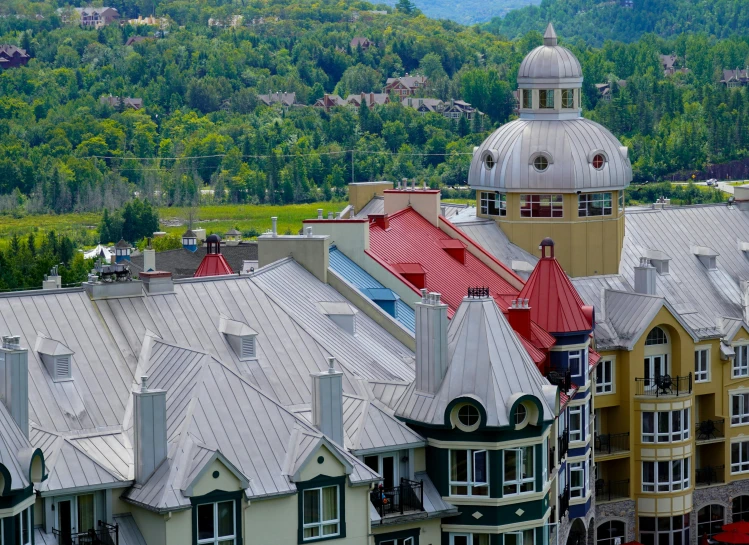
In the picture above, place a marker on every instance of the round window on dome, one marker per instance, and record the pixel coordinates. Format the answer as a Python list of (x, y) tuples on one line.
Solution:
[(468, 415), (599, 161), (540, 163), (521, 413), (489, 162)]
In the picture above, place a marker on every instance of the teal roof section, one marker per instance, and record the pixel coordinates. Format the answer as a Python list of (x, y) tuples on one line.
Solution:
[(384, 297)]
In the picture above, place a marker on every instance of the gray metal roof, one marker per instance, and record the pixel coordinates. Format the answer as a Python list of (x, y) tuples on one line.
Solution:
[(15, 450), (550, 62), (486, 361), (129, 531), (569, 145), (183, 263)]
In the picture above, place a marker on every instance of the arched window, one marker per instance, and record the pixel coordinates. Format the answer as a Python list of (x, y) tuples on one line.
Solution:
[(740, 507), (656, 336), (608, 531), (710, 520)]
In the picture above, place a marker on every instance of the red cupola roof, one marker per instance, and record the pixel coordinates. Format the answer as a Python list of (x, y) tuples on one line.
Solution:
[(213, 264), (555, 304)]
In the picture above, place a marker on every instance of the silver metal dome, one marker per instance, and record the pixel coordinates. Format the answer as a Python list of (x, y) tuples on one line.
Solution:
[(550, 63), (505, 160)]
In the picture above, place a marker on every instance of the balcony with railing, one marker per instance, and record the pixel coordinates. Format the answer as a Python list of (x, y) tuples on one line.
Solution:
[(709, 475), (103, 534), (564, 501), (564, 444), (710, 430), (404, 499), (612, 490), (559, 376), (664, 385), (611, 444)]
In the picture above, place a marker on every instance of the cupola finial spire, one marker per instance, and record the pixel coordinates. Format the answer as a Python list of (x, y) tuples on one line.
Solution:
[(550, 37)]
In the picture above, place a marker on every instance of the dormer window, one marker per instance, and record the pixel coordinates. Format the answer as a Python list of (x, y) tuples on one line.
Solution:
[(56, 357), (241, 338), (341, 313)]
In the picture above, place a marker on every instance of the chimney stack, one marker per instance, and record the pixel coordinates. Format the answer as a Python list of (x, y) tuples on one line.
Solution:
[(319, 213), (431, 342), (149, 430), (519, 316), (52, 281), (327, 402), (149, 259), (645, 277), (274, 222), (14, 373)]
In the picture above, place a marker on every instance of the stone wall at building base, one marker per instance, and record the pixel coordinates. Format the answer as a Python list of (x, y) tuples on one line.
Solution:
[(623, 510), (722, 495)]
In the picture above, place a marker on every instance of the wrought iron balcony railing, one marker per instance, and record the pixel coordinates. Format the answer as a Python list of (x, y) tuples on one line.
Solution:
[(407, 496), (564, 444), (560, 377), (664, 385), (611, 443), (709, 429), (709, 475), (564, 501), (612, 490), (103, 534)]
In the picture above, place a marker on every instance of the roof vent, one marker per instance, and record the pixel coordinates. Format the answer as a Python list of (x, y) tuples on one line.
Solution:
[(658, 259), (455, 248), (412, 272), (341, 313), (385, 298), (707, 256), (55, 356), (241, 338)]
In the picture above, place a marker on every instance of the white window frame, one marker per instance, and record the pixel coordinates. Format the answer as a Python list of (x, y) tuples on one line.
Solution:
[(545, 461), (603, 386), (578, 467), (520, 534), (589, 203), (576, 434), (740, 367), (215, 540), (575, 356), (742, 464), (322, 523), (742, 417), (555, 204), (671, 485), (380, 457), (672, 434), (470, 471), (521, 478), (499, 199), (702, 365)]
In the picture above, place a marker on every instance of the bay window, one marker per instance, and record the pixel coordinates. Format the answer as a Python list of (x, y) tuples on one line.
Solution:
[(577, 479), (665, 476), (741, 361), (519, 471), (217, 523), (740, 457), (576, 423), (321, 512), (469, 473), (739, 409), (665, 426)]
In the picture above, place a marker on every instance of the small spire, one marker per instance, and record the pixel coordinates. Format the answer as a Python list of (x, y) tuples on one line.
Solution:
[(550, 37)]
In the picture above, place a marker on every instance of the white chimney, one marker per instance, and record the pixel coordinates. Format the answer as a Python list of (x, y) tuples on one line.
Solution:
[(745, 299), (309, 232), (52, 281), (645, 277), (149, 259), (274, 229), (149, 430), (327, 402), (14, 373), (319, 213), (431, 342)]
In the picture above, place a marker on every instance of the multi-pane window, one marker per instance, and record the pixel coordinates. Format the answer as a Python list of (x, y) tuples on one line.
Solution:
[(527, 98), (666, 476), (702, 365), (665, 426), (546, 98), (608, 532), (568, 98), (655, 337), (541, 206), (740, 508), (739, 409), (710, 520), (741, 361), (519, 470), (522, 537), (575, 359), (664, 530), (577, 479), (740, 457), (469, 539), (23, 526), (469, 473), (494, 204), (576, 422), (321, 512), (605, 377), (594, 204), (217, 524)]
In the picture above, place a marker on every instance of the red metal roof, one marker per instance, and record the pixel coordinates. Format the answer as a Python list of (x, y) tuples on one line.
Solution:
[(555, 304), (213, 265)]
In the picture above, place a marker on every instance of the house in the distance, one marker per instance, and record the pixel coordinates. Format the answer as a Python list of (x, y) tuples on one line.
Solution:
[(424, 105), (370, 99), (12, 56), (117, 102), (364, 43), (284, 99), (456, 109), (97, 17), (405, 86), (604, 89), (327, 102), (735, 78), (671, 65)]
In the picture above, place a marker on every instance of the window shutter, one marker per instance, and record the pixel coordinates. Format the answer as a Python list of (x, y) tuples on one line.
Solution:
[(62, 367), (248, 347)]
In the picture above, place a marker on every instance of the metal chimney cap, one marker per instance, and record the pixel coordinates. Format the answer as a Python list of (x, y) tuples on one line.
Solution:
[(144, 383)]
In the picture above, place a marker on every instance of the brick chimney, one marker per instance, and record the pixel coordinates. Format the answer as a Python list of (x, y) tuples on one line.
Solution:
[(519, 316)]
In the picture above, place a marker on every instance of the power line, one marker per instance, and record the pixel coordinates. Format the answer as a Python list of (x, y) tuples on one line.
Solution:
[(222, 155)]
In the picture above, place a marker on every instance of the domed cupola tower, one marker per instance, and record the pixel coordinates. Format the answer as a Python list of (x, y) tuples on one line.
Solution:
[(553, 173)]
